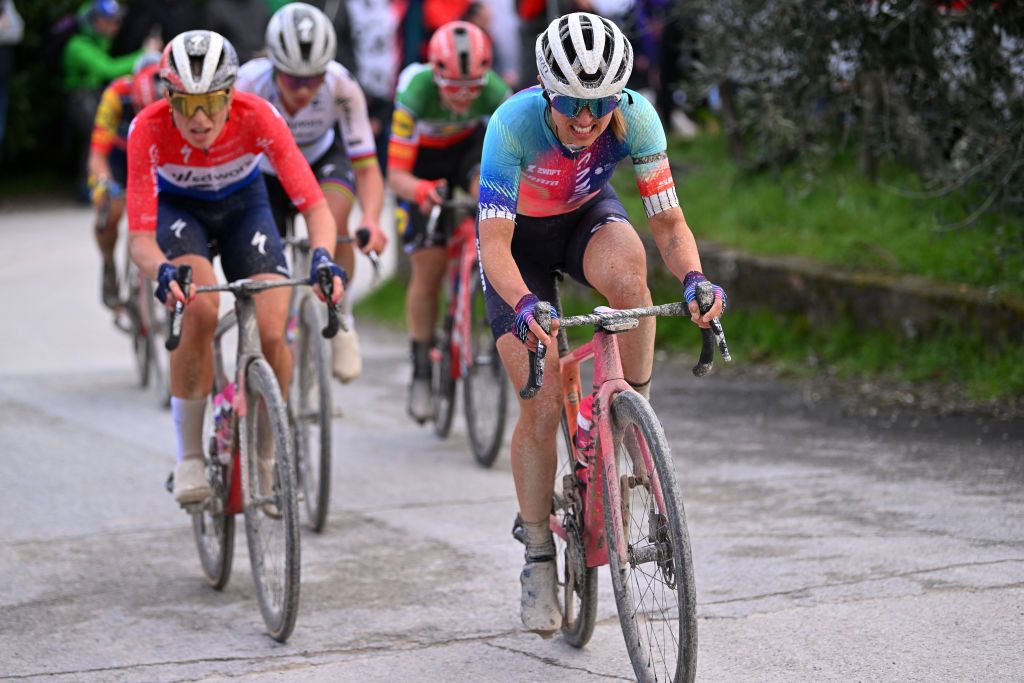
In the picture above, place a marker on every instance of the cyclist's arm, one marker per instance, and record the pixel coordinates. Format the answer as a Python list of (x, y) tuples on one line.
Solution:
[(403, 147), (354, 120), (502, 272), (104, 132), (85, 56)]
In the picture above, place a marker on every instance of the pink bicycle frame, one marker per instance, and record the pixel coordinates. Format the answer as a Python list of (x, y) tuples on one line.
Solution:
[(601, 462)]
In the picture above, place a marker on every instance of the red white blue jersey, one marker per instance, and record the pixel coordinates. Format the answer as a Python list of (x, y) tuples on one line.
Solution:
[(160, 160), (339, 100)]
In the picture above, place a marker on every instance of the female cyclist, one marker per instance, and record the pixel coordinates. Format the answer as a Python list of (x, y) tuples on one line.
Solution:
[(436, 135), (193, 181), (314, 93), (545, 202), (108, 165)]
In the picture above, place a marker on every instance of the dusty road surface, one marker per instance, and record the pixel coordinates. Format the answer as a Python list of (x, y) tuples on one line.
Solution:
[(828, 546)]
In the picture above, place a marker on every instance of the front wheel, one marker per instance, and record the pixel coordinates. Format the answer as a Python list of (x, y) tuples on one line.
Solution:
[(213, 529), (156, 321), (313, 408), (484, 382), (649, 554), (269, 501)]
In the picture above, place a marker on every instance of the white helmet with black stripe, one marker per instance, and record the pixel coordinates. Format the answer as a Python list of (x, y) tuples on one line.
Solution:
[(198, 62), (300, 40), (583, 55)]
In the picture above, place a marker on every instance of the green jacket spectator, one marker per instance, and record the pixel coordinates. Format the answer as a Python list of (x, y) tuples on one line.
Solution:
[(87, 63)]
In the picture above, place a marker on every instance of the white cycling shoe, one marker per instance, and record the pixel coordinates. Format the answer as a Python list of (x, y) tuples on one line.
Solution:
[(190, 484), (539, 606), (346, 360)]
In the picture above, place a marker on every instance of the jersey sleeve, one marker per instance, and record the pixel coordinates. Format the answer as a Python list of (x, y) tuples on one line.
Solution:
[(143, 159), (403, 145), (647, 147), (354, 120), (501, 162), (107, 121), (273, 137)]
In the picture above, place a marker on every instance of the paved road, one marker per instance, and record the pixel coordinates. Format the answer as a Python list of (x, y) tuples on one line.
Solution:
[(830, 544)]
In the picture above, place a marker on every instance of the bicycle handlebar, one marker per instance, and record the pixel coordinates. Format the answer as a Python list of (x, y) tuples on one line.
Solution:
[(710, 337), (361, 239), (247, 287), (184, 279), (542, 314)]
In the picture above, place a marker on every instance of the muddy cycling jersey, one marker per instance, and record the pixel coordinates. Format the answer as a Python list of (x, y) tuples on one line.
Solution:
[(526, 170), (160, 160), (339, 100), (421, 120), (113, 115)]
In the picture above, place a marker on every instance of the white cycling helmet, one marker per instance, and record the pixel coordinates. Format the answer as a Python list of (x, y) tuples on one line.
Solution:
[(197, 62), (583, 55), (300, 40)]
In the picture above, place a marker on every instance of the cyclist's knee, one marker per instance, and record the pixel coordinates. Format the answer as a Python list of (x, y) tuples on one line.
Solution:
[(201, 315)]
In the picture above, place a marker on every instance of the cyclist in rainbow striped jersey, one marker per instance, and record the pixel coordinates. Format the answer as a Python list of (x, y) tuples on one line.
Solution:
[(437, 129), (545, 202), (315, 94)]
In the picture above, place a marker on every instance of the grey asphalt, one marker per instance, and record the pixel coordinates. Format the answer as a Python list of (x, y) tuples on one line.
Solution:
[(832, 540)]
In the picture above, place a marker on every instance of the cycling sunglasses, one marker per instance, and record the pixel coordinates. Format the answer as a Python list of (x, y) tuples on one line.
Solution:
[(572, 106), (455, 86), (296, 82), (211, 102)]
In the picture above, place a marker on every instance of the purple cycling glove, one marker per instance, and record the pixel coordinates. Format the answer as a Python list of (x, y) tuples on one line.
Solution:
[(690, 288), (525, 314)]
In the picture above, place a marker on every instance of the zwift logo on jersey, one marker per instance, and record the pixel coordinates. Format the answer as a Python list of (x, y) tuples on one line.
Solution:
[(209, 177)]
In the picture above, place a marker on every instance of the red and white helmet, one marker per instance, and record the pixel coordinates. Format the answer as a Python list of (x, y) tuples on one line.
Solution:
[(197, 62), (147, 87), (460, 51)]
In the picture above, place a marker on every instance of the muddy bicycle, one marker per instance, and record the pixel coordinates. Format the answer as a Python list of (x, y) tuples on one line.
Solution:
[(616, 500), (241, 416)]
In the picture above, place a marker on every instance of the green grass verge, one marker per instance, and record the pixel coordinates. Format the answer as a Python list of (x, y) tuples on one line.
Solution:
[(836, 216)]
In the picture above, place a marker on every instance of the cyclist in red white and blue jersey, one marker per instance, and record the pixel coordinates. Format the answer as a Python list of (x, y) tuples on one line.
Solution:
[(545, 202), (194, 182)]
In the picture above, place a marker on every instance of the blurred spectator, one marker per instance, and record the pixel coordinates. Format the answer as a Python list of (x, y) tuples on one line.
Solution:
[(166, 18), (374, 34), (11, 30), (499, 19), (242, 22), (88, 66)]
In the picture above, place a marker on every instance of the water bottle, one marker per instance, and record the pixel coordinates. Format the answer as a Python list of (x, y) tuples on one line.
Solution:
[(584, 422), (223, 412)]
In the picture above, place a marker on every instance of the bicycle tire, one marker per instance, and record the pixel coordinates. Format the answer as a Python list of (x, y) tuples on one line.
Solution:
[(579, 598), (313, 410), (485, 385), (213, 530), (443, 385), (658, 650), (131, 285), (271, 521)]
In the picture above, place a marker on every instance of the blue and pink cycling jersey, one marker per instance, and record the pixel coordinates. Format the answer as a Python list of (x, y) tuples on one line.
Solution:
[(525, 169)]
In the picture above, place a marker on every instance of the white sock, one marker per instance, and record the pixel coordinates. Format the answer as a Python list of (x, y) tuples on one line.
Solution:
[(188, 425)]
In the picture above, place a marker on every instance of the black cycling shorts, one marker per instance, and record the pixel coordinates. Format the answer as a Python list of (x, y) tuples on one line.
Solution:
[(333, 167), (240, 227), (457, 165), (541, 245)]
